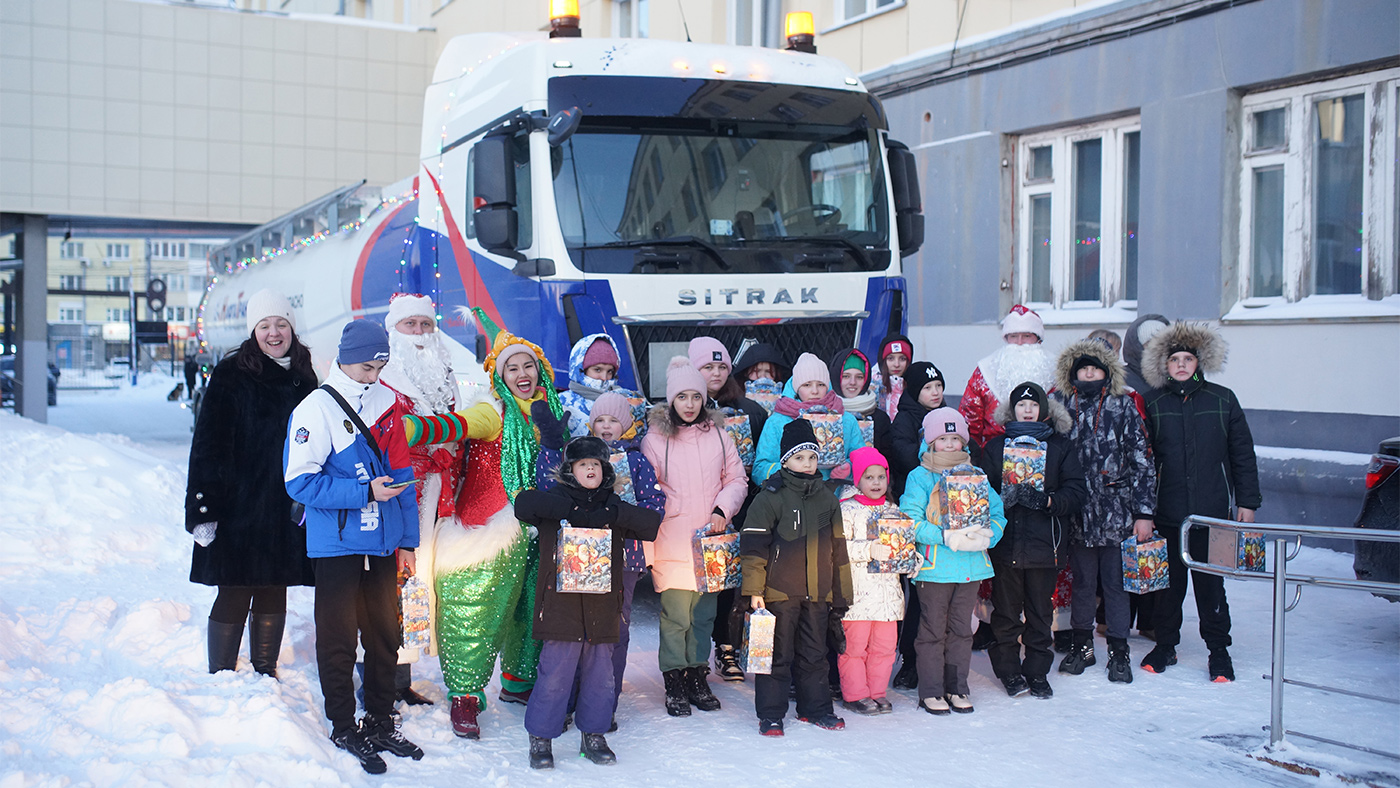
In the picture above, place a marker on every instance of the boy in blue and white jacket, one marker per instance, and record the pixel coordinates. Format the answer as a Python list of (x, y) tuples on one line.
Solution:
[(359, 534)]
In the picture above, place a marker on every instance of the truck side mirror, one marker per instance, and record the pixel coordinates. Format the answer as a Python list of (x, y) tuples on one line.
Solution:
[(908, 200), (493, 194), (562, 126)]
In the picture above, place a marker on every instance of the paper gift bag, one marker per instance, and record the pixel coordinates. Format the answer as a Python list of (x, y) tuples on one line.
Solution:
[(756, 656), (897, 533), (831, 437), (964, 498), (622, 477), (716, 562), (639, 406), (736, 423), (1236, 549), (583, 560), (867, 429), (1144, 565), (764, 391), (413, 604), (1023, 461)]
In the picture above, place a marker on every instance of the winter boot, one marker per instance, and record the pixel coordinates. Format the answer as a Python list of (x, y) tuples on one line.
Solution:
[(936, 706), (676, 703), (1016, 686), (224, 642), (884, 705), (960, 704), (353, 741), (594, 747), (727, 664), (1064, 640), (983, 638), (697, 689), (864, 707), (908, 676), (1222, 668), (1040, 688), (1159, 659), (465, 709), (1081, 654), (541, 753), (518, 697), (770, 727), (403, 687), (829, 722), (384, 736), (1120, 670), (265, 641)]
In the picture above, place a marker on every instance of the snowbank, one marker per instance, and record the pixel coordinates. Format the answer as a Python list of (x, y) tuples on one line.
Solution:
[(103, 679)]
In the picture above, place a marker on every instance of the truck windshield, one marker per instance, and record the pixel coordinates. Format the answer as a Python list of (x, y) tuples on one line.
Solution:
[(690, 195)]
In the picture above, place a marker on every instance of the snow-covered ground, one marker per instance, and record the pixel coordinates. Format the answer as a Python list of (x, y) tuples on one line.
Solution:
[(103, 675)]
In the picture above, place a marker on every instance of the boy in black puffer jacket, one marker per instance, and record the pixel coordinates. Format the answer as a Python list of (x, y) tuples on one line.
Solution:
[(795, 520), (1035, 546), (578, 629)]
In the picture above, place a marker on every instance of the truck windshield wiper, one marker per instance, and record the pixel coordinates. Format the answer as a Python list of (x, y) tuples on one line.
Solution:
[(861, 255), (675, 240)]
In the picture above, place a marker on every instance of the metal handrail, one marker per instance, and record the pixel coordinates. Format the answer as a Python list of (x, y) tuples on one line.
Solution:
[(1282, 535)]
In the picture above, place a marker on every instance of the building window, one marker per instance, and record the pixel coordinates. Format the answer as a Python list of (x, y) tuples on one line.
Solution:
[(197, 280), (174, 282), (118, 315), (1319, 191), (118, 251), (122, 283), (850, 10), (631, 18), (70, 250), (1077, 215), (70, 282), (70, 314), (200, 251), (757, 23), (170, 250)]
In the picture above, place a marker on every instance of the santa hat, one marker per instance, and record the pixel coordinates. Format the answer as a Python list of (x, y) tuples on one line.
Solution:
[(707, 350), (1021, 319), (402, 305), (269, 303), (809, 368), (681, 376)]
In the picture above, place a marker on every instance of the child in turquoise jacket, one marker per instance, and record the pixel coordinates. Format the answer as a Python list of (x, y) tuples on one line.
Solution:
[(954, 563), (808, 389)]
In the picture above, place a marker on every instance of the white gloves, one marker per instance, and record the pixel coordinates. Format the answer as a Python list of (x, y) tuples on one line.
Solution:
[(204, 533), (968, 540)]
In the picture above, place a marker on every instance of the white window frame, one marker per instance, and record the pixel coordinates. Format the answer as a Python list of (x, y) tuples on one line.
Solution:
[(640, 22), (871, 9), (118, 252), (1060, 187), (70, 312), (1380, 234), (757, 9), (70, 250)]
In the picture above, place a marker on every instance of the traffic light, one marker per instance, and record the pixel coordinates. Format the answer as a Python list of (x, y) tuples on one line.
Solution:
[(155, 296)]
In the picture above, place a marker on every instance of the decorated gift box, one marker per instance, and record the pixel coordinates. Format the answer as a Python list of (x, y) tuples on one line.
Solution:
[(1236, 549), (1023, 461), (896, 533), (413, 605), (736, 423), (1144, 565), (639, 407), (583, 560), (764, 391), (756, 655), (622, 473), (831, 436), (964, 499), (867, 429), (716, 561)]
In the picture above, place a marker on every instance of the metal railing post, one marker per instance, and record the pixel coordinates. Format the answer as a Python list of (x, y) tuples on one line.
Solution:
[(1280, 612)]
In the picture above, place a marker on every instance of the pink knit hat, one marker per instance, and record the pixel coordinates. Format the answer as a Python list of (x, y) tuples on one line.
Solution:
[(611, 404), (865, 457), (601, 352), (706, 350), (942, 421), (809, 368), (681, 376)]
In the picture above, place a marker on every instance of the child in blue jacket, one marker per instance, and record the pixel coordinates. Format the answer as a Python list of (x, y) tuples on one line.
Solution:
[(807, 392), (955, 562), (345, 446)]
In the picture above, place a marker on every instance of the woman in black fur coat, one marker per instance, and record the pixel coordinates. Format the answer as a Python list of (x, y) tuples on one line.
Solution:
[(247, 540)]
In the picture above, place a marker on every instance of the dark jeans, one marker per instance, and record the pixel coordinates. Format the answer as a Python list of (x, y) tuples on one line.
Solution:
[(944, 644), (909, 628), (1016, 592), (1211, 606), (232, 604), (1100, 567), (799, 649), (560, 661), (356, 593)]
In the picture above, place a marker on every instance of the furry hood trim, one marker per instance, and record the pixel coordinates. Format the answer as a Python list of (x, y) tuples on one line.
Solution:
[(1096, 350), (1200, 339)]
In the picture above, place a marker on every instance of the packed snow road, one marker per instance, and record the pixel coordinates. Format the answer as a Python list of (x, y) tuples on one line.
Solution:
[(103, 675)]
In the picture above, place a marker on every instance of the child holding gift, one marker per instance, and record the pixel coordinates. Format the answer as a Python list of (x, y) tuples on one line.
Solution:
[(955, 563), (578, 631), (807, 394), (878, 605), (795, 520)]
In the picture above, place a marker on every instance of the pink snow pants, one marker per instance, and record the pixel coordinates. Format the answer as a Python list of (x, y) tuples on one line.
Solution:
[(869, 659)]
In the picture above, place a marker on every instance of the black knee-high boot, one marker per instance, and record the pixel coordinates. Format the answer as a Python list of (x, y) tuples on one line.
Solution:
[(224, 642), (265, 641)]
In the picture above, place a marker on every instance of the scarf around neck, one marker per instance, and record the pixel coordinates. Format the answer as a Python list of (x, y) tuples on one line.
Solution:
[(1040, 430), (793, 409), (861, 403)]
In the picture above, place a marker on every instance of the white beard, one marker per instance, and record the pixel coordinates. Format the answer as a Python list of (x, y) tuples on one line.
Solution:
[(1013, 364), (421, 368)]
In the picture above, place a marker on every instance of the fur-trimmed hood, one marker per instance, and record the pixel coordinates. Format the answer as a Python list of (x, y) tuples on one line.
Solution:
[(659, 419), (1096, 350), (1204, 342), (1059, 416)]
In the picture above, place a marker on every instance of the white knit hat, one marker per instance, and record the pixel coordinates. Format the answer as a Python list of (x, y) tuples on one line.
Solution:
[(269, 303), (1022, 319), (402, 305)]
